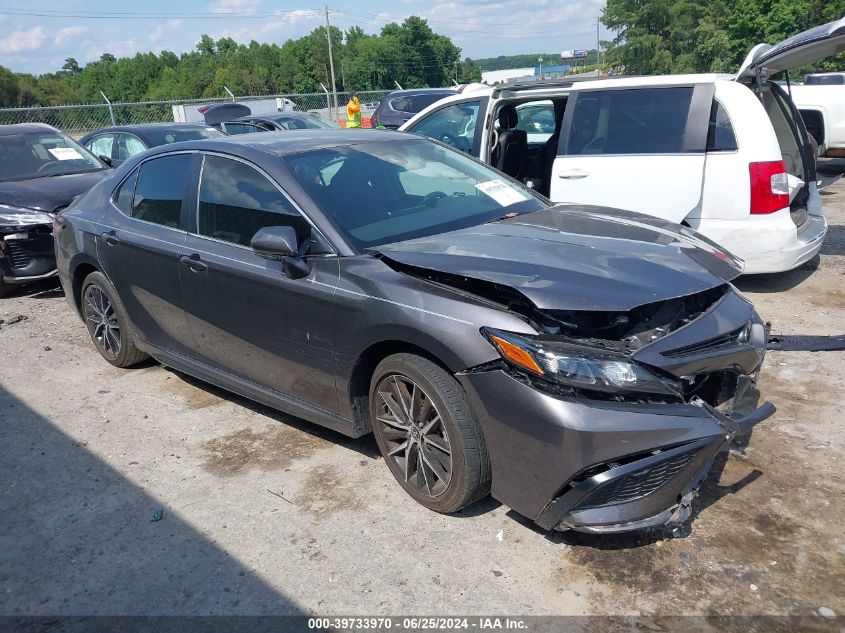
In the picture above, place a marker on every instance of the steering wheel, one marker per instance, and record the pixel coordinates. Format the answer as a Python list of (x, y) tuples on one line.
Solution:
[(431, 199), (47, 166)]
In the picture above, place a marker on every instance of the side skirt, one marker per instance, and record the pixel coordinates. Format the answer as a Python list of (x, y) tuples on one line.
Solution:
[(253, 391)]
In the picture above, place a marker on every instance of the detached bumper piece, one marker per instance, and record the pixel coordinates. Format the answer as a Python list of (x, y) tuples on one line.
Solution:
[(645, 490), (27, 254)]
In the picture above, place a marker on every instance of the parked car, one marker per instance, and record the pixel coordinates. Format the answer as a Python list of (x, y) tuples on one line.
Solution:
[(728, 156), (821, 102), (41, 171), (274, 122), (115, 144), (585, 363), (400, 105)]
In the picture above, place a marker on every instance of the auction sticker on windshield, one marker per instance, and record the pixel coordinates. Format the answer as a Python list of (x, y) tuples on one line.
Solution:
[(65, 153), (501, 192)]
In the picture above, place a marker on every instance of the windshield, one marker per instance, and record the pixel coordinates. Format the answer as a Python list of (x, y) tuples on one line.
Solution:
[(40, 154), (388, 191), (167, 136)]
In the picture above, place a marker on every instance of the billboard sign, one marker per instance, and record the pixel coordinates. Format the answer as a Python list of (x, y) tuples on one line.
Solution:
[(574, 54)]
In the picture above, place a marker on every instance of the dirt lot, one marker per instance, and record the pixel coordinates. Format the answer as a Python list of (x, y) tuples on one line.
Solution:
[(266, 514)]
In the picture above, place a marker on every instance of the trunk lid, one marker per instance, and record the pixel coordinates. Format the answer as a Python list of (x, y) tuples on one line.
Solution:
[(806, 47)]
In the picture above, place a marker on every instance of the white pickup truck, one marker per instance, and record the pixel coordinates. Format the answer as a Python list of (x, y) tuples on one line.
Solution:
[(821, 102)]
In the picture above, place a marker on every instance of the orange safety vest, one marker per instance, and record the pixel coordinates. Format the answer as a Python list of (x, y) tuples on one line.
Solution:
[(353, 113)]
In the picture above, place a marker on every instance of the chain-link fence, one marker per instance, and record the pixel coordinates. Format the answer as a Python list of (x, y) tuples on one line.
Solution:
[(76, 120)]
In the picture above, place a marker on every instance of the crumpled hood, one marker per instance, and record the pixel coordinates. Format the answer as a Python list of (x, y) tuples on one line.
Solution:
[(577, 257), (50, 192)]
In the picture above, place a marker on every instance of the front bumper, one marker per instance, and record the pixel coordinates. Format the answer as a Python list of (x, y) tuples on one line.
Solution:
[(26, 254), (596, 466)]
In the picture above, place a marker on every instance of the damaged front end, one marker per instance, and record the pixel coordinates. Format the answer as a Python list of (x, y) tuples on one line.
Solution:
[(679, 372)]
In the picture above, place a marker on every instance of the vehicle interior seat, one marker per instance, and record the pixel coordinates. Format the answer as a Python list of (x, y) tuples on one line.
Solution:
[(512, 146), (548, 153), (351, 190)]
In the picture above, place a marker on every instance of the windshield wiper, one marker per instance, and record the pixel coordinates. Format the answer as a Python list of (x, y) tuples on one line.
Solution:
[(507, 216)]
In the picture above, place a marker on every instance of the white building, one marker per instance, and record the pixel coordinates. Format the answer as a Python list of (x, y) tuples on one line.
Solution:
[(496, 76)]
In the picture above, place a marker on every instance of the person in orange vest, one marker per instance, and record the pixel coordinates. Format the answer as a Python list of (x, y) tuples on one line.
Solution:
[(353, 111)]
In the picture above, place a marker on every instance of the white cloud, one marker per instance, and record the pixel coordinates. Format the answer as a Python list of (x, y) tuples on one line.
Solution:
[(235, 6), (118, 48), (68, 33), (162, 29), (20, 41), (285, 20)]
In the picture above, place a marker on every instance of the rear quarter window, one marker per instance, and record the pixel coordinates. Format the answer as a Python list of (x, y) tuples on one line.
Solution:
[(640, 121), (720, 134)]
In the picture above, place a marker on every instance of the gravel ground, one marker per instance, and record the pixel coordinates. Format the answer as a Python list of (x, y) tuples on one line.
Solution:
[(263, 513)]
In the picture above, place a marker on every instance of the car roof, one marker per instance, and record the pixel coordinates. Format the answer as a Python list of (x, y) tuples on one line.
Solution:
[(26, 128), (284, 144), (420, 91), (147, 127)]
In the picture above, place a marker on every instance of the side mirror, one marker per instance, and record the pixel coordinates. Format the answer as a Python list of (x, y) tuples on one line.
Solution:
[(105, 159), (279, 243), (275, 242)]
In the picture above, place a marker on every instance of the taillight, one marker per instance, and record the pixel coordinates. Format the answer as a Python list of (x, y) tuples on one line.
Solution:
[(769, 186)]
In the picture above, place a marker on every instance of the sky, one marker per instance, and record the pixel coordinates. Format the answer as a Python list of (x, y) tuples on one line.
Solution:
[(36, 37)]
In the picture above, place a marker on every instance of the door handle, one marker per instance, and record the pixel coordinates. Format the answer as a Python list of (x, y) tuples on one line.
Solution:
[(572, 174), (193, 262), (110, 238)]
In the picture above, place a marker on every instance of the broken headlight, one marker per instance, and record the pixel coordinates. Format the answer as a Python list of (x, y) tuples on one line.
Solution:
[(578, 366), (17, 216)]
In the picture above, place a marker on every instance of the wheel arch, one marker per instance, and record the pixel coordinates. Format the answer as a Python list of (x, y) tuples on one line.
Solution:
[(358, 387), (81, 266)]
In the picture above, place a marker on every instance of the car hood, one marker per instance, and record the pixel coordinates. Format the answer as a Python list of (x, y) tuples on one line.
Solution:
[(577, 257), (48, 193)]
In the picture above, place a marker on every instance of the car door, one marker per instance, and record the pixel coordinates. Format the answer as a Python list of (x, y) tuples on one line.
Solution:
[(246, 316), (138, 246), (641, 149), (459, 124)]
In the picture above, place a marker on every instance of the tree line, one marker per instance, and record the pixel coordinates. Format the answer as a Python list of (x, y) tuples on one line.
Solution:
[(409, 53), (688, 36)]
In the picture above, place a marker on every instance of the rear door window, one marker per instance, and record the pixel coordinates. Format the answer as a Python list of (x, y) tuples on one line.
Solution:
[(160, 190), (629, 121), (128, 146)]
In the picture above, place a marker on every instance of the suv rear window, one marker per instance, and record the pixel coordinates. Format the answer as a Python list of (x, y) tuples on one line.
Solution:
[(824, 80), (642, 121)]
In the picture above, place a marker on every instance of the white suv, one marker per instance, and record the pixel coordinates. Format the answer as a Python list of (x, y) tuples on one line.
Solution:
[(728, 156)]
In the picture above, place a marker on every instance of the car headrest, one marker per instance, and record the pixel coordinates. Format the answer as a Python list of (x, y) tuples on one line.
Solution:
[(507, 117)]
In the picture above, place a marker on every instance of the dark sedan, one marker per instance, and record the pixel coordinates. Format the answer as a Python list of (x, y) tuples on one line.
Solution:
[(41, 172), (399, 106), (583, 364), (116, 144), (281, 121)]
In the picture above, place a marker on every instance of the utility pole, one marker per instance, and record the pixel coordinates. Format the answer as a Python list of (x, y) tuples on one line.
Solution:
[(541, 67), (456, 70), (331, 62), (598, 48)]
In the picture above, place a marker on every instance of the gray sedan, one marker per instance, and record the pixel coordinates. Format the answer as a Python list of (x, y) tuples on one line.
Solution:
[(582, 364)]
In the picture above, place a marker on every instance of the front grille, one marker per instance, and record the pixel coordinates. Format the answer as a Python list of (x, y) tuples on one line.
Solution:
[(637, 484), (726, 340), (18, 256)]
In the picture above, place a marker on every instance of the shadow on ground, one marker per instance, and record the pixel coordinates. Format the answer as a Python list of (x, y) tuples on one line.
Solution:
[(80, 539)]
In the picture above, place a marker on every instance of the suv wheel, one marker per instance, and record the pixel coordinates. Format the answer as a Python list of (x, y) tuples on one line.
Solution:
[(107, 323), (427, 433)]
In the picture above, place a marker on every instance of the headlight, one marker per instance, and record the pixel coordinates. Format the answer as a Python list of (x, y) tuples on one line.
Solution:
[(14, 216), (578, 366)]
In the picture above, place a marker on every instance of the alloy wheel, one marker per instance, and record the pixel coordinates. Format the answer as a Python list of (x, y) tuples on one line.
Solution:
[(101, 319), (418, 445)]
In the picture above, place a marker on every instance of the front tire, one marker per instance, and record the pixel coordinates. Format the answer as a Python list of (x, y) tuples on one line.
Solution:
[(107, 323), (6, 289), (427, 433)]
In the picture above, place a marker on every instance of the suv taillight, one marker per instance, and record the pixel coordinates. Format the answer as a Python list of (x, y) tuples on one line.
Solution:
[(769, 186)]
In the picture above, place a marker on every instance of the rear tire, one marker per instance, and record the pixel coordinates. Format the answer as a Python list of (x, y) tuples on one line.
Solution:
[(428, 434), (107, 323)]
